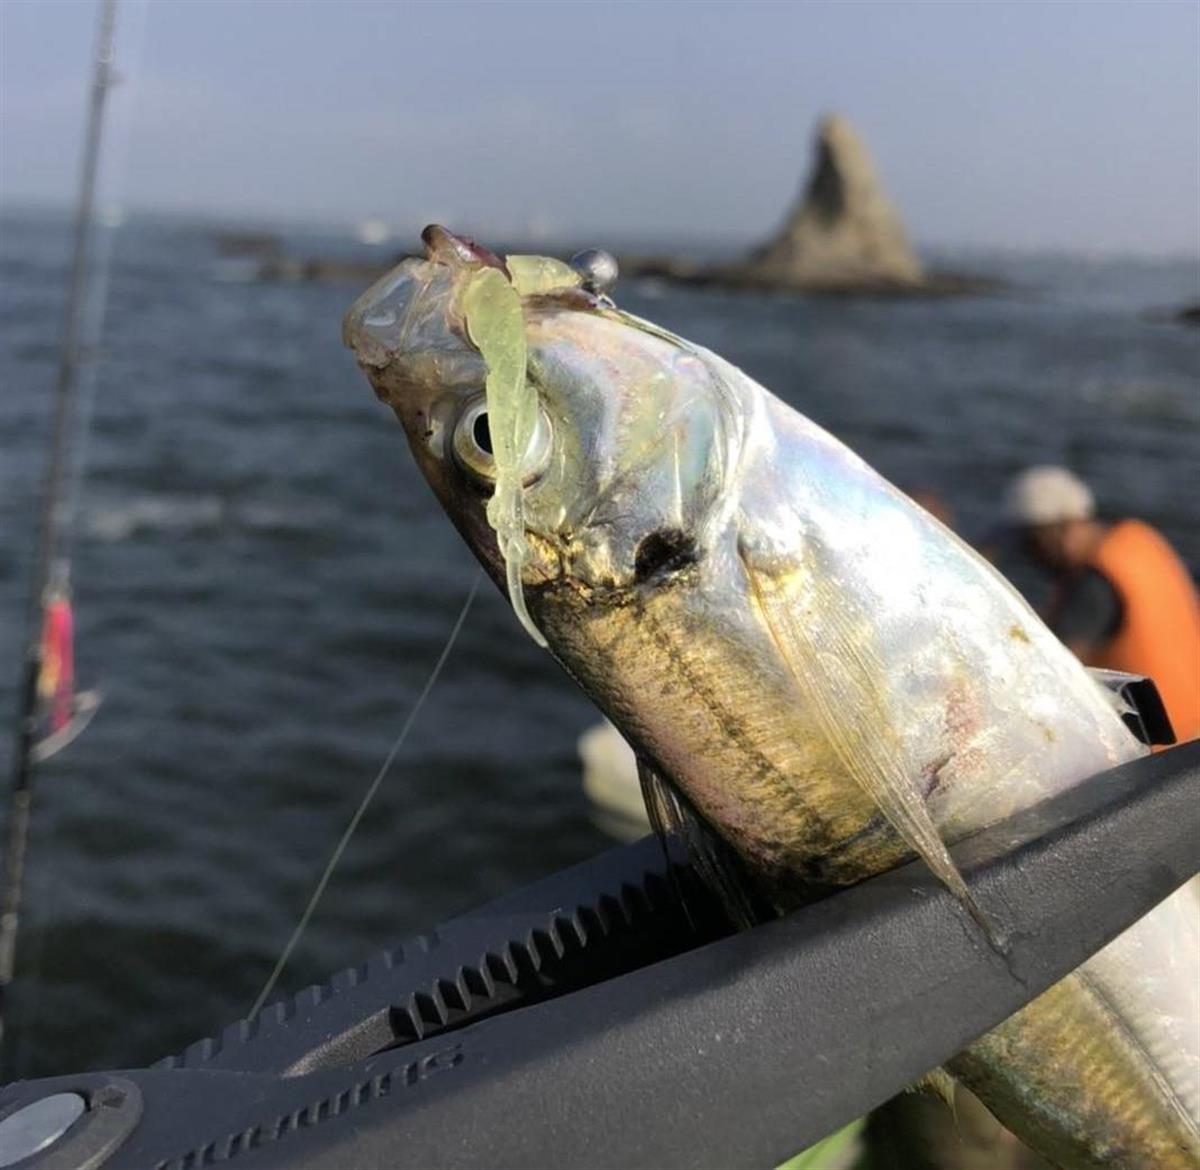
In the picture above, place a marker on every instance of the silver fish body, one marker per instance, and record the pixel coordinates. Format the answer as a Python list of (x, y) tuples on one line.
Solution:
[(831, 678)]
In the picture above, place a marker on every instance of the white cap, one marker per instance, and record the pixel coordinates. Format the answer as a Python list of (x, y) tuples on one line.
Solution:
[(1048, 495)]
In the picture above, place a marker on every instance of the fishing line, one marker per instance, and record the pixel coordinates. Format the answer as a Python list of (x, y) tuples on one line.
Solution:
[(368, 796)]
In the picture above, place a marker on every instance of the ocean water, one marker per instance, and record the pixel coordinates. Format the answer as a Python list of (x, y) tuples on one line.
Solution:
[(263, 582)]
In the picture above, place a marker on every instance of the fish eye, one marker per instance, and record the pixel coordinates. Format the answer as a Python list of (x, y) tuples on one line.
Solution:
[(482, 433), (473, 444)]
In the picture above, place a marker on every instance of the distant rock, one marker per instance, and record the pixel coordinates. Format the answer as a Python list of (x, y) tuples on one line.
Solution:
[(844, 230), (1177, 315), (260, 245), (842, 237)]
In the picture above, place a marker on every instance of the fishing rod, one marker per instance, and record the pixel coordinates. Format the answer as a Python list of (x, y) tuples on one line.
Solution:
[(48, 620)]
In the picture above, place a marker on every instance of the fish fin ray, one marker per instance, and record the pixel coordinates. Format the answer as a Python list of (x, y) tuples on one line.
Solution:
[(673, 815), (939, 1083), (841, 683)]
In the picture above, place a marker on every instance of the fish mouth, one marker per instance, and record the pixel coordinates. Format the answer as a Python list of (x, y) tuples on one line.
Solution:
[(374, 323), (408, 310), (442, 246)]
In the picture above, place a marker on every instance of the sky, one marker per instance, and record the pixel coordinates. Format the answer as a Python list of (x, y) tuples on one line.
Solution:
[(1025, 125)]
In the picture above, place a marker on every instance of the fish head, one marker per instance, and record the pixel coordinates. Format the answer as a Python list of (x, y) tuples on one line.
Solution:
[(625, 459), (408, 334)]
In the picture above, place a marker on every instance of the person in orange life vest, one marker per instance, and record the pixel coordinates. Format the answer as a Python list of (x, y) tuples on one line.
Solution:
[(1124, 599)]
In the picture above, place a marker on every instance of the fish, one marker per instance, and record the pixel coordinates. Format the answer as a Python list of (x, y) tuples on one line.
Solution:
[(820, 680)]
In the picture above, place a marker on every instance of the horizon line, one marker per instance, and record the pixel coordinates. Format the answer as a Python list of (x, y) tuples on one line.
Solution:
[(327, 222)]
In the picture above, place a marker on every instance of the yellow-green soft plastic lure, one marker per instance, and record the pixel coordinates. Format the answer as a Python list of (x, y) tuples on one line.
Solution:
[(496, 325), (495, 322)]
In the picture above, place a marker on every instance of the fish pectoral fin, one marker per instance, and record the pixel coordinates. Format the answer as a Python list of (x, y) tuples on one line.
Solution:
[(826, 641), (718, 866), (1136, 699)]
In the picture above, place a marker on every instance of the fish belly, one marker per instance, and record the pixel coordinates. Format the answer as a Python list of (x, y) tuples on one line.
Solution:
[(716, 715)]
